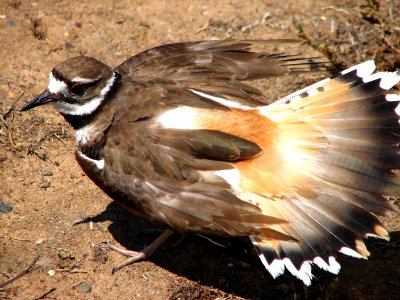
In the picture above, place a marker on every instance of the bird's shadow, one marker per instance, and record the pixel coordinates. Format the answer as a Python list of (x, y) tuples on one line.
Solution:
[(232, 266)]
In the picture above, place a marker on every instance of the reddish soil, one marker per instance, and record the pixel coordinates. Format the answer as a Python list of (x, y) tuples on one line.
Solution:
[(49, 193)]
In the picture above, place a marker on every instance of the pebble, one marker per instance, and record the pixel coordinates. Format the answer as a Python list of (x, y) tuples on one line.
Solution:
[(11, 95), (10, 23), (5, 207), (68, 46), (51, 272), (245, 266), (46, 172), (84, 287), (230, 265), (45, 184), (39, 241)]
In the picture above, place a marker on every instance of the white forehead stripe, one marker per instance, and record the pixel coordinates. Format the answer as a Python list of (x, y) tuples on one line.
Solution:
[(89, 107), (56, 86)]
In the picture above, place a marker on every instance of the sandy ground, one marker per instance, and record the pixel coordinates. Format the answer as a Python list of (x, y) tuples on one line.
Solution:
[(48, 193)]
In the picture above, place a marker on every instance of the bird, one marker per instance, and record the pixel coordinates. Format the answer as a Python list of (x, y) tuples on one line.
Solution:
[(178, 136)]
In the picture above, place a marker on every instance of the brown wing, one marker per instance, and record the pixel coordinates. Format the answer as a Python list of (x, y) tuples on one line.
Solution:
[(167, 178), (218, 67)]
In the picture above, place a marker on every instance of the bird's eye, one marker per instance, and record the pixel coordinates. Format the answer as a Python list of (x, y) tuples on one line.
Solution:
[(77, 89)]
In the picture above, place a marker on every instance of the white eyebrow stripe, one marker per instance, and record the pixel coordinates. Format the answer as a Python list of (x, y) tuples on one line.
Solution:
[(84, 80), (56, 86)]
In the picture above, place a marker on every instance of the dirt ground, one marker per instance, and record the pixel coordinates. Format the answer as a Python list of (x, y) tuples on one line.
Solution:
[(48, 193)]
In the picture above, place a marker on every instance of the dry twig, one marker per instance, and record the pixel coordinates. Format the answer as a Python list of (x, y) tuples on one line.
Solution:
[(71, 270), (20, 274), (336, 9), (8, 125), (44, 296)]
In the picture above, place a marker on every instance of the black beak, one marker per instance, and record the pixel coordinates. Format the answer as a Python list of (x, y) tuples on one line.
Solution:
[(43, 98)]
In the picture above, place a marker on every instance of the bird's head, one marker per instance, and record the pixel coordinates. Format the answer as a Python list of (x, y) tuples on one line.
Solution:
[(77, 87)]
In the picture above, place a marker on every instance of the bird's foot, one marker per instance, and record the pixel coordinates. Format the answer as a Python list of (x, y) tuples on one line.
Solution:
[(135, 256)]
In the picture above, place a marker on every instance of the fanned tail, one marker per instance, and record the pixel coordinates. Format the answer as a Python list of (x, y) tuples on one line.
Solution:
[(337, 151)]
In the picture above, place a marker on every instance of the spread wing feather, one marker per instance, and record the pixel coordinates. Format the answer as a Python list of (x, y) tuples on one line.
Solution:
[(336, 181), (218, 67)]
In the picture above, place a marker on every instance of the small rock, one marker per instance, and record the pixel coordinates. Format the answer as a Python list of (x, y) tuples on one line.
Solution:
[(41, 154), (11, 95), (39, 241), (78, 24), (5, 207), (10, 23), (245, 266), (85, 287), (120, 19), (45, 184), (51, 272), (68, 46), (230, 265), (144, 24), (65, 255), (46, 172), (99, 253)]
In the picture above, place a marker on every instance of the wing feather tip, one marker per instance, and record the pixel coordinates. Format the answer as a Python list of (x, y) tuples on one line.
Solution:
[(381, 232), (364, 69), (304, 273), (387, 79), (277, 266), (333, 266), (350, 252)]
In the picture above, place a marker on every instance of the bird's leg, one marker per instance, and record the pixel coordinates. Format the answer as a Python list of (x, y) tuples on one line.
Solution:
[(139, 255)]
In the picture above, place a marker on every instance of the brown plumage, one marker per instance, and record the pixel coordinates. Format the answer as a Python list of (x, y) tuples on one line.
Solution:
[(176, 136)]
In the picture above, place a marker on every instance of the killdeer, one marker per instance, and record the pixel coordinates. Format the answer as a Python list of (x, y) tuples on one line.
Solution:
[(174, 135)]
